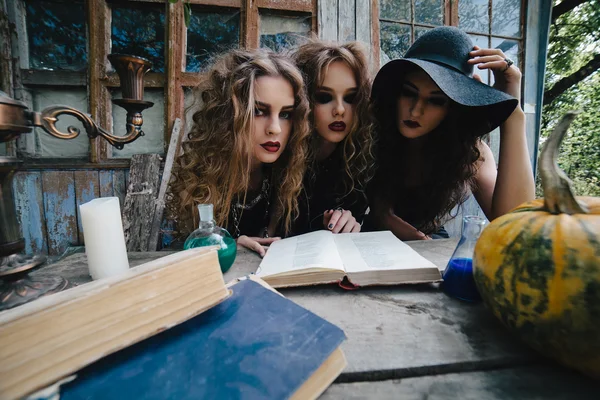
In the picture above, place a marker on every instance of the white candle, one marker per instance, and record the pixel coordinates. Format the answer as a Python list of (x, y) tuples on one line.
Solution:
[(104, 238)]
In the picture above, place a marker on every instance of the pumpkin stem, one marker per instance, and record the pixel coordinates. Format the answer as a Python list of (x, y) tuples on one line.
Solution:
[(558, 197)]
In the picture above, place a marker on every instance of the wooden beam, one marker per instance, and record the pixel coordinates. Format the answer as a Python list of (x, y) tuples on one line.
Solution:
[(164, 185), (34, 164), (190, 79), (99, 19), (59, 78), (174, 55), (375, 44), (249, 26), (218, 3), (6, 64), (287, 5), (138, 211), (328, 19)]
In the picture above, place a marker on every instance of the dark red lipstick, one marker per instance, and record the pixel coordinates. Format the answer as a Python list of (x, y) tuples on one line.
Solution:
[(411, 124), (272, 147), (337, 126)]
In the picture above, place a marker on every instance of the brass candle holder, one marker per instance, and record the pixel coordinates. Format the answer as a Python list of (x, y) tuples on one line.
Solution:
[(15, 119)]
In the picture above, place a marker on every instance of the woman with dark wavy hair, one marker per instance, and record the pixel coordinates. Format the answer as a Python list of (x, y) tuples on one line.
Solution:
[(247, 148), (341, 160), (431, 113)]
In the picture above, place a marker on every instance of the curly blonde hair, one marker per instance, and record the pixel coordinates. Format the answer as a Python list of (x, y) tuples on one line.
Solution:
[(214, 166), (313, 59)]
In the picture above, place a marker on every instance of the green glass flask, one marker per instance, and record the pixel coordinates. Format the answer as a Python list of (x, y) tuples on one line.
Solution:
[(209, 234)]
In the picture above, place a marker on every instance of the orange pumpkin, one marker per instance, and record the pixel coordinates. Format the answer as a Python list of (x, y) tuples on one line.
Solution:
[(538, 267)]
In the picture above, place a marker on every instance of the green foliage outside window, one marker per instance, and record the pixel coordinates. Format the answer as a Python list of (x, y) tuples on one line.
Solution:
[(574, 58)]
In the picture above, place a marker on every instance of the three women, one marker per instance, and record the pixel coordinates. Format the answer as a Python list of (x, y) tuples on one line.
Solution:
[(253, 154)]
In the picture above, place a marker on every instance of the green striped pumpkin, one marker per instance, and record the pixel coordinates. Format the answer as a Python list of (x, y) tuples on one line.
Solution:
[(538, 268)]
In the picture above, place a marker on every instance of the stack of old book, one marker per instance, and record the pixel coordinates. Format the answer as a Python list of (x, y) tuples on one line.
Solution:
[(170, 328)]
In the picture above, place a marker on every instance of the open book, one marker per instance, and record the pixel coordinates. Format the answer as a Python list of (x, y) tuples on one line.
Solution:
[(366, 258)]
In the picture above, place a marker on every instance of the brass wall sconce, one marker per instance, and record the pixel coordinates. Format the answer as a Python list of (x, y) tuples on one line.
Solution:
[(15, 119)]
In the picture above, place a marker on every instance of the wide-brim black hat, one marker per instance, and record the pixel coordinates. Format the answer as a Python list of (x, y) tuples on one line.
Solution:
[(443, 53)]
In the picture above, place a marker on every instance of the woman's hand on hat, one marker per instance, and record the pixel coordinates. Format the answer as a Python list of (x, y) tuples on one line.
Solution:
[(256, 244), (507, 76), (340, 221)]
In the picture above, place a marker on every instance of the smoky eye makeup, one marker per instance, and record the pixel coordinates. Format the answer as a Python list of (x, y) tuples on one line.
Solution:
[(438, 101), (323, 97), (408, 91), (350, 98)]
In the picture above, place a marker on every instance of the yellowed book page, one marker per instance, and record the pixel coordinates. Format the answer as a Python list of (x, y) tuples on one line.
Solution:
[(315, 250), (377, 251)]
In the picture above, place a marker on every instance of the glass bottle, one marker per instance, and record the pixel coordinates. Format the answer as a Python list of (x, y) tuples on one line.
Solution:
[(209, 234), (458, 275)]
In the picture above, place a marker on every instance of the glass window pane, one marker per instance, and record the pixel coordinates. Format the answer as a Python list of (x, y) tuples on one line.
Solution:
[(57, 35), (506, 17), (153, 126), (398, 10), (2, 149), (140, 32), (49, 146), (510, 49), (419, 30), (210, 33), (482, 42), (474, 16), (395, 40), (278, 32), (429, 12)]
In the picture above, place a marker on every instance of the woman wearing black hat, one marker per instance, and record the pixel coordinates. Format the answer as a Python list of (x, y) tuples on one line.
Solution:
[(431, 113)]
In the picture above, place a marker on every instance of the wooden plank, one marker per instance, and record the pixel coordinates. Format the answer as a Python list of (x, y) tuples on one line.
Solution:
[(140, 200), (119, 186), (29, 206), (375, 45), (346, 20), (190, 79), (66, 163), (87, 188), (383, 324), (287, 5), (99, 25), (548, 382), (53, 78), (218, 3), (250, 29), (105, 179), (176, 37), (166, 178), (397, 332), (363, 24), (6, 65), (328, 19), (59, 207)]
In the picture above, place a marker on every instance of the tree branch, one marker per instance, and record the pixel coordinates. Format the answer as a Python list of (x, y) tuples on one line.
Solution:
[(565, 83), (564, 7)]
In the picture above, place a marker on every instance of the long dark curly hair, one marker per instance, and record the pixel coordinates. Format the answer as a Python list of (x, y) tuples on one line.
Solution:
[(214, 166), (450, 151), (313, 58)]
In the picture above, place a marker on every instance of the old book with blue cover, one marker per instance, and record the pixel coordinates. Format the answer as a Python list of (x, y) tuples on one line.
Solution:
[(256, 344)]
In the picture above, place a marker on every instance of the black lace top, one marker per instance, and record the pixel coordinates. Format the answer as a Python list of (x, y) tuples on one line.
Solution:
[(326, 191)]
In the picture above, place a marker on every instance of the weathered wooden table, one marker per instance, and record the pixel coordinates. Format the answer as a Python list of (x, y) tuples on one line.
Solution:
[(412, 341)]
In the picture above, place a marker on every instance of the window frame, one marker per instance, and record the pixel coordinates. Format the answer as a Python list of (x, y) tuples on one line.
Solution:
[(99, 77), (451, 18)]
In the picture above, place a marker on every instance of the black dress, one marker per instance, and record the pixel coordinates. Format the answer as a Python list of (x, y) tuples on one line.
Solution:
[(251, 218), (325, 190)]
